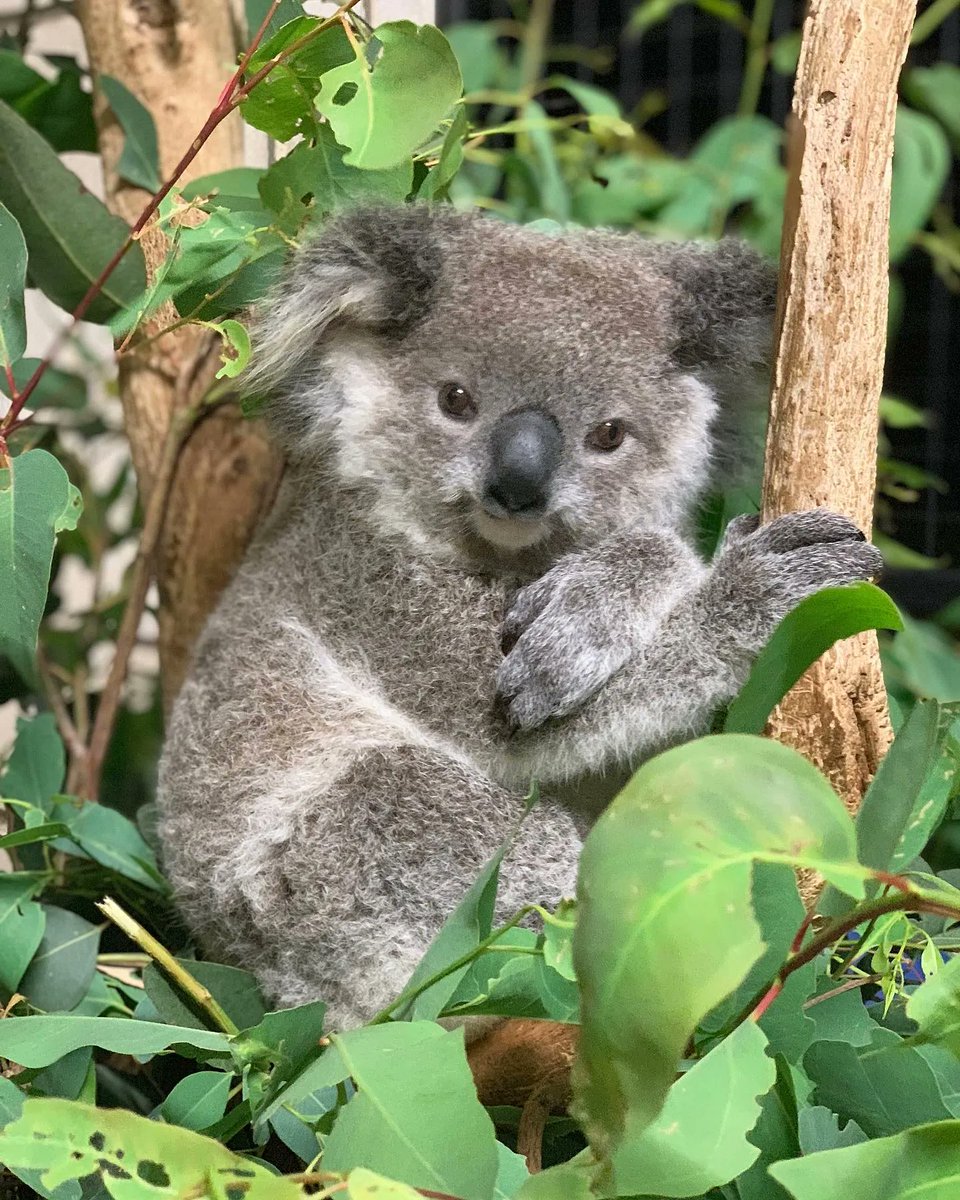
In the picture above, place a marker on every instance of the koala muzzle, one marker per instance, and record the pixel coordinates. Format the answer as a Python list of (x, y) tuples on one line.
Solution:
[(524, 454)]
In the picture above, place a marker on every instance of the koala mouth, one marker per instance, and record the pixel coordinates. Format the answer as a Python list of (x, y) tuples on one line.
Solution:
[(510, 533)]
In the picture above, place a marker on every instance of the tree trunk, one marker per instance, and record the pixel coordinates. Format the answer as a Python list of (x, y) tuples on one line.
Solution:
[(832, 319), (175, 56)]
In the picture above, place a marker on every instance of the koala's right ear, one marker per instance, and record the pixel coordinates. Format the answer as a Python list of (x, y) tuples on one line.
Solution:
[(372, 269)]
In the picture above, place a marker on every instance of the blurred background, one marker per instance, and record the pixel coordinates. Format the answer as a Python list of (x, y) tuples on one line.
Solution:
[(665, 116)]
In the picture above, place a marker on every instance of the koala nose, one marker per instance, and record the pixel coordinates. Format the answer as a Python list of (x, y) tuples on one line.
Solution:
[(524, 453)]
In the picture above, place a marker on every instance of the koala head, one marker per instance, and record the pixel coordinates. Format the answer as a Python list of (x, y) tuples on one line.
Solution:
[(488, 389)]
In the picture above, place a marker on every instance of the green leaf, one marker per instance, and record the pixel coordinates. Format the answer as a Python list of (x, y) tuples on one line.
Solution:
[(665, 876), (236, 348), (558, 939), (11, 1105), (436, 186), (21, 926), (935, 1006), (400, 94), (198, 1101), (819, 1129), (65, 962), (699, 1140), (36, 766), (16, 78), (61, 111), (921, 164), (256, 11), (554, 195), (282, 103), (898, 812), (936, 90), (469, 923), (56, 389), (801, 637), (926, 660), (35, 833), (367, 1185), (415, 1117), (236, 991), (39, 1041), (37, 501), (140, 161), (13, 280), (130, 1156), (313, 178), (110, 839), (70, 234), (918, 1162), (885, 1086), (650, 13), (568, 1181), (512, 1173)]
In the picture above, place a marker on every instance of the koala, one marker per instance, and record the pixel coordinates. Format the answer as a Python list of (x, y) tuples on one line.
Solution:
[(481, 571)]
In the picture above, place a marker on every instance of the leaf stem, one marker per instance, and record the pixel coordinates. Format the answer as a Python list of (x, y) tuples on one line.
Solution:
[(929, 21), (758, 36), (411, 993), (191, 987)]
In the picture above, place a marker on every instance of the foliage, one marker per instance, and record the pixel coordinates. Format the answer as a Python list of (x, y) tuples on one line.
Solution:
[(731, 1046)]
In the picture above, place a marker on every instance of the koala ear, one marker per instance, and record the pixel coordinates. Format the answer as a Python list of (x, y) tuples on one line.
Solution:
[(372, 269), (723, 300)]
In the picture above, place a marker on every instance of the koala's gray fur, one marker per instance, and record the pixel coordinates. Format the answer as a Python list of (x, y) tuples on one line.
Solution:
[(353, 743)]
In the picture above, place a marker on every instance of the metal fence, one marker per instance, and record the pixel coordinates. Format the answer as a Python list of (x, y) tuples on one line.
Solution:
[(697, 61)]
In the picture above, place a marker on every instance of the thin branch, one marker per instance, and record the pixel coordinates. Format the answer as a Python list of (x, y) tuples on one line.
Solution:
[(182, 424), (68, 730), (231, 95), (168, 965), (758, 36)]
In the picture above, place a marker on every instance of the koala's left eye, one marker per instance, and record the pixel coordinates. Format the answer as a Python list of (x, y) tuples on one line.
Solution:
[(455, 401), (607, 436)]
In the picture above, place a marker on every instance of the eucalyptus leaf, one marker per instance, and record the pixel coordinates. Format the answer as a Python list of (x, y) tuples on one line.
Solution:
[(198, 1101), (921, 164), (665, 876), (917, 1162), (415, 1117), (37, 501), (13, 281), (22, 922), (799, 640), (140, 160), (237, 992), (56, 389), (39, 1041), (69, 232), (384, 105), (63, 967), (936, 90)]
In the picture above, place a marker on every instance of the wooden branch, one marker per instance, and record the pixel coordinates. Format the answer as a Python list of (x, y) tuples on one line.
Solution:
[(176, 57), (822, 440)]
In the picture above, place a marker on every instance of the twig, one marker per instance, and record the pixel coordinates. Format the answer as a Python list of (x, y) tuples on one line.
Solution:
[(231, 96), (68, 730), (182, 424), (756, 66), (844, 987), (191, 987)]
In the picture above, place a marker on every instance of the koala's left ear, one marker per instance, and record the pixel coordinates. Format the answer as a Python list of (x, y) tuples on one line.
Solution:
[(723, 297), (371, 269)]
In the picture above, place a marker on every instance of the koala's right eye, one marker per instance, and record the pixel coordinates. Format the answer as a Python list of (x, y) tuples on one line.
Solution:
[(456, 402)]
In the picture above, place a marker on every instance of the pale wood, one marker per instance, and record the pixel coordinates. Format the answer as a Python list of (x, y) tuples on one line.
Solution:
[(822, 440), (175, 56)]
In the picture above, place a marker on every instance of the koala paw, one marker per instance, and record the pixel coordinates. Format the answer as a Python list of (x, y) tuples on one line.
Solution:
[(767, 570), (563, 640)]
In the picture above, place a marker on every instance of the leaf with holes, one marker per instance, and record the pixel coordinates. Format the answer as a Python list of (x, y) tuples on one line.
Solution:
[(13, 280), (281, 104), (37, 501), (69, 232), (386, 102), (133, 1158)]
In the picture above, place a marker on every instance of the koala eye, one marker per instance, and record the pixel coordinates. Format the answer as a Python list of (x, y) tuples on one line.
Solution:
[(607, 436), (456, 402)]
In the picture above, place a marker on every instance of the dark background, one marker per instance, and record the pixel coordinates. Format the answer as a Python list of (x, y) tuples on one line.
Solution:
[(697, 61)]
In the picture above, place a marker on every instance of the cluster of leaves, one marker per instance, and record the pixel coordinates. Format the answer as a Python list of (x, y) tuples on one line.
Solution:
[(730, 1047)]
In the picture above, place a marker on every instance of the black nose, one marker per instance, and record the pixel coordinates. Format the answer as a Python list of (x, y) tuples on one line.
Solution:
[(524, 454)]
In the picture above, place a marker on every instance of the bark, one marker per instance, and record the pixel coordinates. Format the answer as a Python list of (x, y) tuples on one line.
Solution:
[(822, 440), (175, 56)]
